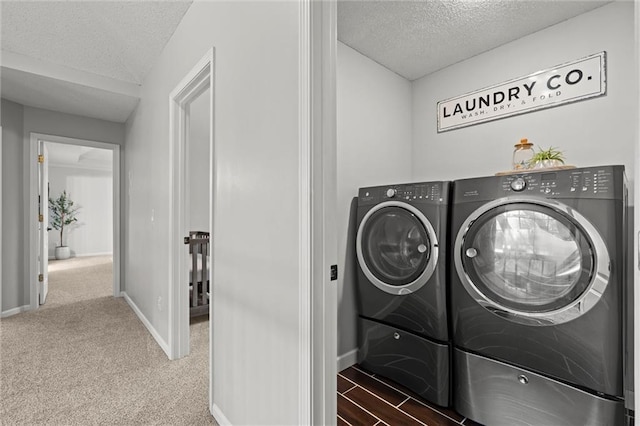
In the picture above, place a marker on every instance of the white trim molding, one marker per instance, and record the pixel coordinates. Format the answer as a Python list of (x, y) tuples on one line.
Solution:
[(634, 258), (14, 311), (219, 416), (199, 79), (1, 262), (305, 336), (106, 253), (154, 333), (348, 359), (318, 194), (196, 82)]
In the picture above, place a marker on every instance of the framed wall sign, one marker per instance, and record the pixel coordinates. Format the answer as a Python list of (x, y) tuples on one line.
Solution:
[(574, 81)]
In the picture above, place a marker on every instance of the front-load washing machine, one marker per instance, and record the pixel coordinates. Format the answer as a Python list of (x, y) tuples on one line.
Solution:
[(401, 285), (538, 297)]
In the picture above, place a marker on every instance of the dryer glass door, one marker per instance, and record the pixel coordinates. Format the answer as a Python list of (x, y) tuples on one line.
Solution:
[(528, 258)]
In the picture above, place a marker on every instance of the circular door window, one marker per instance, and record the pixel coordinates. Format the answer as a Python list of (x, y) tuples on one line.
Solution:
[(396, 247), (535, 262)]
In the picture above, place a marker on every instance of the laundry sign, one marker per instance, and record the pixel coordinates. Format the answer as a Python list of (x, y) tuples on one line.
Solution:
[(574, 81)]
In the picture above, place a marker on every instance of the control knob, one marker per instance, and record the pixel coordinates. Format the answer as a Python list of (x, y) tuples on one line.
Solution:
[(391, 192), (518, 184)]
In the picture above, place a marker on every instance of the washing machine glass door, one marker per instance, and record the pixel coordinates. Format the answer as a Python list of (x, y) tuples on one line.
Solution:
[(536, 262), (396, 247)]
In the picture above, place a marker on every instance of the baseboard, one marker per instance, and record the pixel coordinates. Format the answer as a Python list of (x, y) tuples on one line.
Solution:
[(14, 311), (219, 416), (348, 359), (145, 321), (109, 253)]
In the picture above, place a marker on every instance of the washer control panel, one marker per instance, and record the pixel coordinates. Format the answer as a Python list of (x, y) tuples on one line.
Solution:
[(416, 192)]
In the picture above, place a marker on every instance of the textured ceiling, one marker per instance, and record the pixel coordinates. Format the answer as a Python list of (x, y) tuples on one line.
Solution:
[(121, 40), (117, 39), (416, 38)]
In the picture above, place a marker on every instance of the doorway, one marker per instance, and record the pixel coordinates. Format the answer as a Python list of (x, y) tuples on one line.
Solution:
[(192, 195), (79, 180), (89, 155)]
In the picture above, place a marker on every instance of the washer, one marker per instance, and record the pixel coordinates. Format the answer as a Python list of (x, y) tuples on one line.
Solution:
[(401, 246), (537, 297)]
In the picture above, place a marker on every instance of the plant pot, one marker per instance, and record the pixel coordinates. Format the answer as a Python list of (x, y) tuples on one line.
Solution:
[(543, 164), (63, 252)]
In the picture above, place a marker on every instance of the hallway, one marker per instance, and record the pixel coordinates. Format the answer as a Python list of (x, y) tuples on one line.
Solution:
[(92, 361)]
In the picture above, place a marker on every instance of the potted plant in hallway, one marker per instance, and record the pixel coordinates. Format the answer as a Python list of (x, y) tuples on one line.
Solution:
[(63, 213)]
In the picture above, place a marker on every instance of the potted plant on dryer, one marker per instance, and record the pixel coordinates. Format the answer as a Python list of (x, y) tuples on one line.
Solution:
[(546, 158), (63, 213)]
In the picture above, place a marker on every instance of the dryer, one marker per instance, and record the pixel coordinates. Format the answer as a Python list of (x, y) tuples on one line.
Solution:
[(401, 287), (538, 297)]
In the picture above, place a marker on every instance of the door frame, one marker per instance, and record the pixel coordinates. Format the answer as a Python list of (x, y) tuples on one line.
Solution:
[(318, 212), (43, 237), (195, 82), (31, 200), (634, 258), (1, 243), (635, 255)]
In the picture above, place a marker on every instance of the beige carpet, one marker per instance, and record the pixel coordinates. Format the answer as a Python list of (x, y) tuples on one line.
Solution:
[(79, 278), (86, 360)]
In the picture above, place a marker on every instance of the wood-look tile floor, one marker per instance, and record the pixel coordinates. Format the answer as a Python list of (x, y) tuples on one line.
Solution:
[(366, 399)]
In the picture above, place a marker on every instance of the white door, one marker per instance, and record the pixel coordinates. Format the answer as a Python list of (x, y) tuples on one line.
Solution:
[(43, 224)]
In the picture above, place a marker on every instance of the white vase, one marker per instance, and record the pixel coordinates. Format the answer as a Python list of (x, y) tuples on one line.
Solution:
[(543, 164), (62, 252)]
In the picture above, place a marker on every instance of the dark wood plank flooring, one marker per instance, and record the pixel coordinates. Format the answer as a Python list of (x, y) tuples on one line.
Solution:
[(366, 399)]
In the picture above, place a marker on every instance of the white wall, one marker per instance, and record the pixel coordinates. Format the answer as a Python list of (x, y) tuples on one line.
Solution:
[(593, 132), (374, 148), (198, 163), (255, 235), (22, 121), (92, 192)]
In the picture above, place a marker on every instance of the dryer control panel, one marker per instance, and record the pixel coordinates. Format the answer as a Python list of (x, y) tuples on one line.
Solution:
[(433, 192), (605, 182), (590, 182)]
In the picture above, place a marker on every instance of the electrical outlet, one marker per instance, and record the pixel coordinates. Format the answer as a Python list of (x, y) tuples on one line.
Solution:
[(159, 303)]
